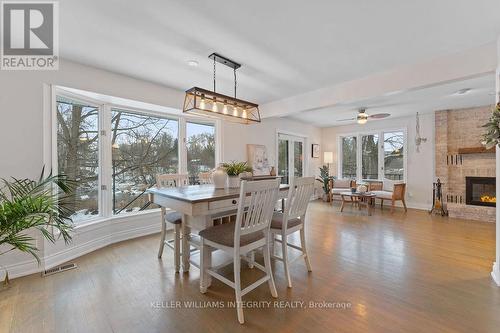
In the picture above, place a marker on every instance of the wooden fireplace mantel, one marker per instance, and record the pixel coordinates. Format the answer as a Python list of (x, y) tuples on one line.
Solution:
[(476, 150)]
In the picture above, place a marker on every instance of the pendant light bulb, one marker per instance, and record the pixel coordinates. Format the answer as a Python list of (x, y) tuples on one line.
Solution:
[(224, 108), (214, 106), (202, 102), (235, 110), (244, 114)]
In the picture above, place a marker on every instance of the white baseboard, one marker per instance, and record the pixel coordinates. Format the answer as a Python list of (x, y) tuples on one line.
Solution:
[(23, 268), (495, 273)]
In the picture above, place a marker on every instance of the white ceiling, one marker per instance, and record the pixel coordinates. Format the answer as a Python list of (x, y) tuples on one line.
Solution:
[(405, 103), (286, 47)]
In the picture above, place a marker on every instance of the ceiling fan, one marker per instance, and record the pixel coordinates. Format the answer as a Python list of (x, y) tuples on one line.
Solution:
[(363, 117)]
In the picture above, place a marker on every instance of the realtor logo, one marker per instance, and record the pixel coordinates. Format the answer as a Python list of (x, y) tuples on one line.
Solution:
[(30, 35)]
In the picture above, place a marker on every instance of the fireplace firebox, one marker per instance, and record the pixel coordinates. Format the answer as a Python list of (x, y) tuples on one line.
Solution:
[(480, 191)]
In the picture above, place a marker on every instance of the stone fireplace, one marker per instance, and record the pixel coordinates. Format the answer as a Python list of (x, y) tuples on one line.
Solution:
[(480, 191), (463, 165)]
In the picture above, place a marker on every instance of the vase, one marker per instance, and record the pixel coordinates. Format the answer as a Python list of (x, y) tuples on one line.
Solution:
[(234, 181), (219, 177), (272, 172)]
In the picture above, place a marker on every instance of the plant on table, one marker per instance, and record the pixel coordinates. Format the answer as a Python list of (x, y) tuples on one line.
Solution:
[(34, 204), (234, 168)]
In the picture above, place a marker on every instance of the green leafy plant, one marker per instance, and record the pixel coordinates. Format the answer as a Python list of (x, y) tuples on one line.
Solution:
[(234, 168), (492, 136), (38, 204), (324, 178)]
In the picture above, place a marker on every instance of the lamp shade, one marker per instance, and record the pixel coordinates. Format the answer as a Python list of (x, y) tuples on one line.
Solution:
[(328, 157)]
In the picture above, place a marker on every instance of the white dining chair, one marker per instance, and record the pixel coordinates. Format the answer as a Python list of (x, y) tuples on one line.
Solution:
[(291, 220), (248, 233), (173, 217)]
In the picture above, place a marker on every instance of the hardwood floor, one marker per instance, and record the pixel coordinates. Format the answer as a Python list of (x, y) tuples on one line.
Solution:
[(399, 273)]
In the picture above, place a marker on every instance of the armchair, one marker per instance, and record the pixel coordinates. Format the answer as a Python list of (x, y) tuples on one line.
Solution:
[(389, 190)]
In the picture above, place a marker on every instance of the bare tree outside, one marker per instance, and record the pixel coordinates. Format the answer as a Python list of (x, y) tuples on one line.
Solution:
[(200, 148), (349, 147), (394, 155), (78, 154), (369, 156), (142, 147)]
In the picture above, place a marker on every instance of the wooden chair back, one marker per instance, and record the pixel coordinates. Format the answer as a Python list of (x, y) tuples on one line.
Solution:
[(262, 195), (299, 195), (172, 180)]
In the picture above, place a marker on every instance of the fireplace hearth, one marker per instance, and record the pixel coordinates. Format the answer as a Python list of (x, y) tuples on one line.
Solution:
[(480, 191)]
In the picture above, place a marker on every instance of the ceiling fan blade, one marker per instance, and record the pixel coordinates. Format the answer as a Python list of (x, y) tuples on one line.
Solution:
[(379, 115), (346, 119)]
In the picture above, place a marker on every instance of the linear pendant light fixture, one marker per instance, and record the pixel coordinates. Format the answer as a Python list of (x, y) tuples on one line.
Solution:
[(211, 104)]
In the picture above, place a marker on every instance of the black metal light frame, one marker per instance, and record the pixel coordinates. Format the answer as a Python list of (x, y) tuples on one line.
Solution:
[(211, 104)]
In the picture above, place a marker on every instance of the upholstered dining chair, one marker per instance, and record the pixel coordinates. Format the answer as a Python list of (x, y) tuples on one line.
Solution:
[(205, 178), (248, 233), (173, 217), (291, 220)]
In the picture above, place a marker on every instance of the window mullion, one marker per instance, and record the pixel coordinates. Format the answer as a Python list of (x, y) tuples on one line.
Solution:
[(182, 146), (105, 163), (359, 159), (381, 169)]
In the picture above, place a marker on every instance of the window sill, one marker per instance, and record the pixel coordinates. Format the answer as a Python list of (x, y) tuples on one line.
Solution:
[(101, 221)]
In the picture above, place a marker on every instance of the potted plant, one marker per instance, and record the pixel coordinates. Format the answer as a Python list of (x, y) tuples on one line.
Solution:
[(492, 136), (34, 204), (324, 179), (233, 170)]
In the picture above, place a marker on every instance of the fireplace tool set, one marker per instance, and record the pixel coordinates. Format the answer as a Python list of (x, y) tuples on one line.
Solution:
[(437, 199)]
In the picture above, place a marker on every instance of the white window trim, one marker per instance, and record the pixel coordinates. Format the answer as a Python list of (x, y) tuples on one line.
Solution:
[(104, 197), (358, 136)]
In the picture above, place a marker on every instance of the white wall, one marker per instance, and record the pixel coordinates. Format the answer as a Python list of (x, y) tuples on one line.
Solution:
[(420, 166), (22, 130), (237, 136)]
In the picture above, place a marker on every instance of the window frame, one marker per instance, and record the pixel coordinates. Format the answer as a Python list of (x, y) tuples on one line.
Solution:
[(359, 153), (105, 194)]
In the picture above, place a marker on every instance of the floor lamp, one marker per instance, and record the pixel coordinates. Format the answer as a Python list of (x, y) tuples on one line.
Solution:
[(328, 158)]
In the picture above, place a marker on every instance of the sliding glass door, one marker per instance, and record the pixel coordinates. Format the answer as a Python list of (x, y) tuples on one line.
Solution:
[(290, 157)]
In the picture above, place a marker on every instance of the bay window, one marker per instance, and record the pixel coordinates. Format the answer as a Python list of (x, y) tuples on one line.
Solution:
[(380, 155), (115, 153)]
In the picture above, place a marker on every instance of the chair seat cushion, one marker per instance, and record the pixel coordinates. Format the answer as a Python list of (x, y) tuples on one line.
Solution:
[(173, 217), (224, 234), (277, 222), (383, 194)]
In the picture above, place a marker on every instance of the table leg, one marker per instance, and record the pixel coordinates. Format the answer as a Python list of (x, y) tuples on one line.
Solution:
[(207, 258), (343, 203), (369, 206), (186, 234)]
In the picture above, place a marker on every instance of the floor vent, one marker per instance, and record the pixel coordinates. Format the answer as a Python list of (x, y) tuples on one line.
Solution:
[(59, 269)]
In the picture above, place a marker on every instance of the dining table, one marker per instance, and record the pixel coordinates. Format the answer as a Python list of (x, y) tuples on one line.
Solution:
[(199, 204)]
